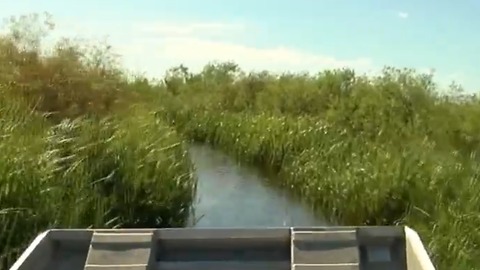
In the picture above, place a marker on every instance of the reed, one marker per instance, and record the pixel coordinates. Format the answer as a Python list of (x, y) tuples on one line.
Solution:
[(364, 151), (81, 148)]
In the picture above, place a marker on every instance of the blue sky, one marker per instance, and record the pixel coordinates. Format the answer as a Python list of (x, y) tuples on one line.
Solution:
[(279, 35)]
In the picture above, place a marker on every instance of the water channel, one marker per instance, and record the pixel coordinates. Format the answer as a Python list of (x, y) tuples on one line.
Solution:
[(233, 195)]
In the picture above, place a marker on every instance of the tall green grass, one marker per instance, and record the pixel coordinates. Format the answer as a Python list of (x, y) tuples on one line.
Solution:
[(365, 151), (129, 171), (81, 148)]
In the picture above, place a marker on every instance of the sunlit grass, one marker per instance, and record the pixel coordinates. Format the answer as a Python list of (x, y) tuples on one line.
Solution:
[(127, 171), (387, 151), (79, 148)]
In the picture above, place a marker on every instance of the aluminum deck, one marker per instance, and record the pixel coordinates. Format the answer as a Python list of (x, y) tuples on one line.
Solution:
[(318, 248)]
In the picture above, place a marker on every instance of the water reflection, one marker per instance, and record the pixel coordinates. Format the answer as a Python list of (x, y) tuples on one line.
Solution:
[(230, 195)]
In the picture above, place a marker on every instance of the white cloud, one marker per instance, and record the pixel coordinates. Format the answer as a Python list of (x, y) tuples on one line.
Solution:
[(457, 76), (403, 15), (427, 70), (179, 29), (153, 47), (276, 58), (156, 55)]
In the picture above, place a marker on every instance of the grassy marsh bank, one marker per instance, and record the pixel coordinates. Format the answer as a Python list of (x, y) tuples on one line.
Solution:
[(372, 151), (78, 135), (80, 147)]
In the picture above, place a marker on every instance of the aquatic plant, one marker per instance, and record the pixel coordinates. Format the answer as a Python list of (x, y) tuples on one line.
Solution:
[(364, 150), (80, 148)]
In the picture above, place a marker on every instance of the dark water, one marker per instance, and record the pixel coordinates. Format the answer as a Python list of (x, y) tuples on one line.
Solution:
[(232, 195)]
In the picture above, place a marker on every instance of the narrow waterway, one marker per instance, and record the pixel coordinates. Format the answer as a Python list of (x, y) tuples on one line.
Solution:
[(233, 195)]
